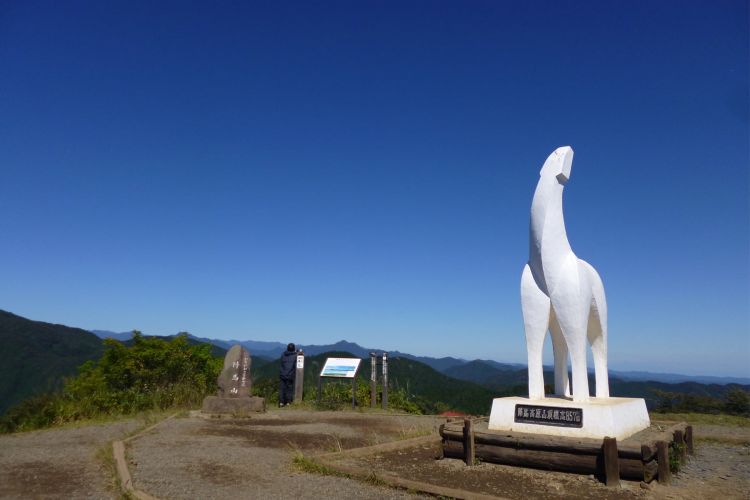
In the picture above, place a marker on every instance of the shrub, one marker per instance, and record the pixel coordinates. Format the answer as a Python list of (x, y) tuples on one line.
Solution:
[(267, 388), (33, 413), (668, 402), (152, 373), (737, 402)]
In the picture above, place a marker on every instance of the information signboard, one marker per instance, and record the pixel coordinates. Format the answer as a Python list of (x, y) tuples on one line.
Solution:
[(340, 367)]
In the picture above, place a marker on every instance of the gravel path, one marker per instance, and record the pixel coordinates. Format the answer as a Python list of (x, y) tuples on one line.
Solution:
[(198, 458), (59, 463), (718, 470), (193, 457)]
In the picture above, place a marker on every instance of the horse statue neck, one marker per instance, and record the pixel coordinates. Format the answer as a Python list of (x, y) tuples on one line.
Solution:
[(548, 241)]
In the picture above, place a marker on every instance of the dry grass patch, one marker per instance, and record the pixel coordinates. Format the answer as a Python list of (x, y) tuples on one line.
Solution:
[(702, 419)]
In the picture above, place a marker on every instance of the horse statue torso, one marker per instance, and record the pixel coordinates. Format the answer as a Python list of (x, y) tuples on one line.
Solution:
[(561, 293)]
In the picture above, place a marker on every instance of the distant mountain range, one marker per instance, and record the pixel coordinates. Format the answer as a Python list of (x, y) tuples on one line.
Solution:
[(501, 378), (106, 334), (455, 367), (257, 348), (36, 356), (417, 379)]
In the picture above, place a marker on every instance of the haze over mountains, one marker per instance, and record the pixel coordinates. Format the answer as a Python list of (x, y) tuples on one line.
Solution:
[(448, 365), (36, 356)]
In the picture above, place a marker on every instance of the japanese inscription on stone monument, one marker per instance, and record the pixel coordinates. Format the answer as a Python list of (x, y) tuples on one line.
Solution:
[(234, 380), (549, 415)]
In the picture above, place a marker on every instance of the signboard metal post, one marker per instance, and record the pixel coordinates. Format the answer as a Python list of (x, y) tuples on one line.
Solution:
[(299, 377), (354, 392), (385, 380), (373, 380), (340, 368)]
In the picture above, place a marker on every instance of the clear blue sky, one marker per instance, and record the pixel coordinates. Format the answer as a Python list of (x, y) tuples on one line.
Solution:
[(318, 171)]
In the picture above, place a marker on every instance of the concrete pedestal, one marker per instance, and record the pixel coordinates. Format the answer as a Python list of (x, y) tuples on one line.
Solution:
[(233, 406), (556, 416)]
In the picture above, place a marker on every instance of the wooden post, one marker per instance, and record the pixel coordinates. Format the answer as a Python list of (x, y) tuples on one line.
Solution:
[(320, 388), (373, 380), (689, 440), (679, 439), (385, 380), (469, 448), (662, 460), (442, 446), (354, 391), (611, 462), (299, 377)]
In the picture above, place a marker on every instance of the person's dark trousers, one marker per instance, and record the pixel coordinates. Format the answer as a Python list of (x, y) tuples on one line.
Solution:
[(286, 392)]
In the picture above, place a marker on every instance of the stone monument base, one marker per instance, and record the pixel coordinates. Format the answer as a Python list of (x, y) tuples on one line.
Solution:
[(558, 416), (243, 406)]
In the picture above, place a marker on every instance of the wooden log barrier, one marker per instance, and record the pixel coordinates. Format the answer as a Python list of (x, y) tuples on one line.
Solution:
[(468, 442), (648, 447), (646, 450), (689, 440), (611, 462), (662, 459), (582, 464), (650, 470), (679, 440), (537, 442), (442, 448), (642, 459), (630, 469), (635, 451)]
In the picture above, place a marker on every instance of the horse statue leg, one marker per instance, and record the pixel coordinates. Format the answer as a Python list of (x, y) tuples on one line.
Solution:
[(536, 315), (596, 331), (560, 352), (571, 308)]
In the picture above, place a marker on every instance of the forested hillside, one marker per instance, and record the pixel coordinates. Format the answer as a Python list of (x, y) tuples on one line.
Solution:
[(427, 388), (216, 351), (35, 356), (686, 396), (148, 374)]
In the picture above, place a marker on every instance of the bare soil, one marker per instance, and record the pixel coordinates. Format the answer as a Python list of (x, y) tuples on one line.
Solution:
[(59, 463), (421, 463), (252, 458), (317, 431), (194, 457), (719, 469)]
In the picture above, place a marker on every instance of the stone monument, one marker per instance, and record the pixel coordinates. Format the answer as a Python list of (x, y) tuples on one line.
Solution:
[(564, 295), (233, 396)]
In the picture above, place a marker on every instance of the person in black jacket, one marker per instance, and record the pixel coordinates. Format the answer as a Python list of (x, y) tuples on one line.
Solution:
[(287, 371)]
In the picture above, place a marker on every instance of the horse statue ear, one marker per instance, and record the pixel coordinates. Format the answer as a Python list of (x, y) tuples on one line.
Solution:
[(567, 163), (559, 164)]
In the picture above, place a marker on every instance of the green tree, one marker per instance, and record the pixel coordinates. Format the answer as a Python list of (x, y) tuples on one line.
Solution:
[(665, 401), (737, 402), (150, 373)]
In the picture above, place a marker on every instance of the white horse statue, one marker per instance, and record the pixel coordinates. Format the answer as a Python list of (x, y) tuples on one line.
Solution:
[(561, 293)]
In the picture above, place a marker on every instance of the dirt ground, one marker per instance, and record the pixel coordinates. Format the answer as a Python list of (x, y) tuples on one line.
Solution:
[(719, 469), (193, 457), (60, 463), (252, 458)]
